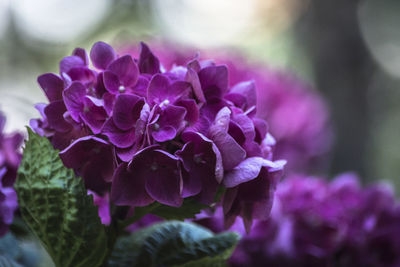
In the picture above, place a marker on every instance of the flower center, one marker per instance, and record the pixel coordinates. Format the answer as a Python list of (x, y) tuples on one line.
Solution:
[(164, 103), (154, 166), (156, 127), (121, 89), (198, 158)]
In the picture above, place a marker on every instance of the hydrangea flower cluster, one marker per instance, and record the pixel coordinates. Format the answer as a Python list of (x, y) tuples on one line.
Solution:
[(10, 157), (144, 133), (297, 115), (315, 222)]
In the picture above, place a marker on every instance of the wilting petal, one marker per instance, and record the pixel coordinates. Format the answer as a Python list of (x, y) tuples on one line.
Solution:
[(128, 188), (52, 86), (126, 70), (102, 55), (148, 63)]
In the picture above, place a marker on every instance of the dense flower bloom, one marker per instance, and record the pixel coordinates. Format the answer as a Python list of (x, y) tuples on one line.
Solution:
[(297, 115), (145, 133), (315, 222), (10, 157)]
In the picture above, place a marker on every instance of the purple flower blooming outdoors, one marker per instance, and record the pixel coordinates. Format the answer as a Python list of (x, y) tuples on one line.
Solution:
[(10, 157), (145, 134), (297, 115), (315, 222)]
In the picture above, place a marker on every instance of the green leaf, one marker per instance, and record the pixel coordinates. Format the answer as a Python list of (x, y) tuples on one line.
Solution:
[(55, 205), (173, 243)]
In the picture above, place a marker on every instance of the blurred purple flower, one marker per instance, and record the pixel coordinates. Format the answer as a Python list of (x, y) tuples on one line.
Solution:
[(10, 157), (315, 222), (144, 133)]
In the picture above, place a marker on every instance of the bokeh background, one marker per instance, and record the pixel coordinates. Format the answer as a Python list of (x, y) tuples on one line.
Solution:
[(349, 51)]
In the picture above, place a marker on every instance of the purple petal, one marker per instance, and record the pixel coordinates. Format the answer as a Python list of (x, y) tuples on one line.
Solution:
[(236, 132), (80, 52), (141, 86), (248, 90), (192, 184), (170, 122), (192, 110), (83, 75), (214, 81), (178, 90), (157, 90), (54, 113), (127, 110), (126, 154), (246, 124), (70, 62), (209, 149), (164, 134), (126, 70), (118, 137), (82, 149), (261, 129), (109, 100), (148, 63), (94, 114), (193, 79), (102, 55), (164, 181), (246, 171), (232, 153), (111, 82), (73, 98), (52, 86), (128, 188), (237, 99)]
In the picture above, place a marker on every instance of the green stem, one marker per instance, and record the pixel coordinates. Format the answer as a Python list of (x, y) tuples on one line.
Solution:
[(139, 213)]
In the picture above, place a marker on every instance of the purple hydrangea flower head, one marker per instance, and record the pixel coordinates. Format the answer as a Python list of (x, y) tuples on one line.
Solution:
[(297, 115), (315, 222), (144, 133), (10, 157)]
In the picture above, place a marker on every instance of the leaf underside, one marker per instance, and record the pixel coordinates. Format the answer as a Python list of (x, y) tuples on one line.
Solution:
[(173, 243)]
